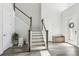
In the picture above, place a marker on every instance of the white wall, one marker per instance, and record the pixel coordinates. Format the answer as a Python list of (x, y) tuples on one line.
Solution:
[(73, 13), (52, 19), (31, 9), (7, 25), (21, 28), (51, 12)]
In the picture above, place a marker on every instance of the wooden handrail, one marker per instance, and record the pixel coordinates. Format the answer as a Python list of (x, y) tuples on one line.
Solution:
[(43, 25), (22, 12), (29, 31), (15, 7)]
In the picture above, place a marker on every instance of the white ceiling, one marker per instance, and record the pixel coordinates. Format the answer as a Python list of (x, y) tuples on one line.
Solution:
[(64, 6), (59, 6)]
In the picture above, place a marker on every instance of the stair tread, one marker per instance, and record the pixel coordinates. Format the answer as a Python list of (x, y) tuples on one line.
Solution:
[(36, 31), (37, 38), (38, 41), (38, 44), (37, 35), (38, 48)]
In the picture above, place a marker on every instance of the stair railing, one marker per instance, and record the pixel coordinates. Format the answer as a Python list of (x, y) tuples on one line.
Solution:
[(45, 33), (30, 27)]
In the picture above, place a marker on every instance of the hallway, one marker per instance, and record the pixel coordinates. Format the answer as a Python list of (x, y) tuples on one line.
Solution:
[(35, 26), (55, 49)]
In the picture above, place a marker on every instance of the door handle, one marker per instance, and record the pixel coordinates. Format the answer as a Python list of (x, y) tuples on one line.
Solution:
[(75, 32), (4, 34)]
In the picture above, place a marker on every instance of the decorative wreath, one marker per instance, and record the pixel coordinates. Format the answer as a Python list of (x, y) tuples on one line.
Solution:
[(71, 25)]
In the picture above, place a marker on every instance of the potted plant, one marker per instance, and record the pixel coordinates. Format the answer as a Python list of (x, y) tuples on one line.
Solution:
[(15, 38)]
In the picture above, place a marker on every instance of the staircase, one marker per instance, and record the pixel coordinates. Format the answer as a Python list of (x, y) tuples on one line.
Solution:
[(37, 41)]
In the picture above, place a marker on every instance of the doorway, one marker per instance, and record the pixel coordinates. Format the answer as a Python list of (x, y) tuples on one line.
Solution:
[(72, 27)]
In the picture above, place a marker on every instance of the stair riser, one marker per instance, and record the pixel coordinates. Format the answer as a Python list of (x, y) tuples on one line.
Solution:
[(37, 37), (37, 44), (37, 33)]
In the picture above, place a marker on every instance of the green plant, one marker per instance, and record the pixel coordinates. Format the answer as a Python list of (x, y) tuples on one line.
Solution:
[(15, 37)]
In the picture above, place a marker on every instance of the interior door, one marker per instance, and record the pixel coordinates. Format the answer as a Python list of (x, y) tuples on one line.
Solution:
[(73, 31), (6, 26), (1, 29)]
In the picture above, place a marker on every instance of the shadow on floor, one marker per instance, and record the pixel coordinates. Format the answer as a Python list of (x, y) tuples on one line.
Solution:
[(15, 50)]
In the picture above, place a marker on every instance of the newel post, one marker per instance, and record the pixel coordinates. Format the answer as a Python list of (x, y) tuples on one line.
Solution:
[(47, 38), (29, 40)]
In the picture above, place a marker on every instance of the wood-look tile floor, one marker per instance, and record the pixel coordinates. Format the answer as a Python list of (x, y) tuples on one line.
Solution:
[(55, 49)]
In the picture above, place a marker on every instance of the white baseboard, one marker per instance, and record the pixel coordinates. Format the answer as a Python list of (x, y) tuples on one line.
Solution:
[(1, 52)]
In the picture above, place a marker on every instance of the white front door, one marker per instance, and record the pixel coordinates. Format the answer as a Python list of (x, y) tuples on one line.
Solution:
[(73, 31)]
